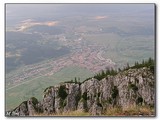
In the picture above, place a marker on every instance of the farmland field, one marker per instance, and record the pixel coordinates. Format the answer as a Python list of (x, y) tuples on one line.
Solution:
[(123, 50), (35, 87)]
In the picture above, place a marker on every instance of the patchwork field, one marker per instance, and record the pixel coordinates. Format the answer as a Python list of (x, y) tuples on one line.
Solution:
[(36, 87)]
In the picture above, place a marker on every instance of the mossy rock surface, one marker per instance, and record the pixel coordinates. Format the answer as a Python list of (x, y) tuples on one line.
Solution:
[(34, 100), (114, 92), (84, 95), (133, 87), (62, 92)]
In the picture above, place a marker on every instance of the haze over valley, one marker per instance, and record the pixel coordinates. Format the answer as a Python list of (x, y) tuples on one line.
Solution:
[(51, 43)]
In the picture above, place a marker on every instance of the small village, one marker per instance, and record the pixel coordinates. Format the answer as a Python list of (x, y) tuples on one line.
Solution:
[(85, 58)]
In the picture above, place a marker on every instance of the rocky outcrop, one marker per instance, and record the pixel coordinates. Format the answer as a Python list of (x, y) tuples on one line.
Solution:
[(21, 110), (130, 87)]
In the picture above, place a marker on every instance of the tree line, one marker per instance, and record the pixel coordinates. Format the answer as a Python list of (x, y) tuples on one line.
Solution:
[(149, 63)]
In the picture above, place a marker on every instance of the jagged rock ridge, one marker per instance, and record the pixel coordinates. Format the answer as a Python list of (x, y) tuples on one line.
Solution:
[(130, 87)]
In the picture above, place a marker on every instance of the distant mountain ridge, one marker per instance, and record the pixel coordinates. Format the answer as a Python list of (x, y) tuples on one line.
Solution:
[(131, 87)]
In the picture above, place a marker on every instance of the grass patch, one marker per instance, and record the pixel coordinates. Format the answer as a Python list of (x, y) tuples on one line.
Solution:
[(114, 111), (71, 113), (130, 111)]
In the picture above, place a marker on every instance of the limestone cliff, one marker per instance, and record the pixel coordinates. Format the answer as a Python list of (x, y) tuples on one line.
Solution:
[(130, 87)]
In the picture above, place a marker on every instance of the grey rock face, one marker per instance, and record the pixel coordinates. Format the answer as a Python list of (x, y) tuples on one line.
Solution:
[(21, 110), (74, 96), (48, 104), (131, 87), (82, 105), (136, 87), (96, 109), (91, 88)]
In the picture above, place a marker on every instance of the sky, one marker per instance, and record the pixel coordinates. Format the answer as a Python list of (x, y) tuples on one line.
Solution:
[(42, 9), (16, 13)]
